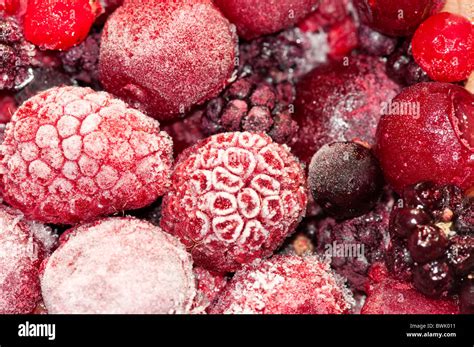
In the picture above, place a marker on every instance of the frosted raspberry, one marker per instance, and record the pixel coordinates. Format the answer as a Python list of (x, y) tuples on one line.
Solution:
[(285, 285), (257, 18), (209, 286), (165, 56), (71, 154), (118, 265), (235, 197), (21, 252)]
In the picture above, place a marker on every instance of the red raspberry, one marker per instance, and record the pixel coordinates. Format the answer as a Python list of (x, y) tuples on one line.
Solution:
[(234, 198), (59, 24), (257, 18), (285, 285), (443, 46), (8, 105), (165, 56), (118, 265), (71, 154), (209, 286), (23, 246), (389, 296)]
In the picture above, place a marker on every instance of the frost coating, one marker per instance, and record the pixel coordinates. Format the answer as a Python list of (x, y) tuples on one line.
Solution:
[(118, 265), (234, 198)]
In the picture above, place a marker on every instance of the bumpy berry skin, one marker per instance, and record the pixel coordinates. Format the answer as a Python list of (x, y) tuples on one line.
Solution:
[(340, 103), (234, 198), (22, 253), (386, 295), (443, 45), (433, 143), (433, 279), (257, 18), (345, 179), (395, 18), (118, 265), (209, 285), (59, 24), (284, 284), (72, 154), (164, 57)]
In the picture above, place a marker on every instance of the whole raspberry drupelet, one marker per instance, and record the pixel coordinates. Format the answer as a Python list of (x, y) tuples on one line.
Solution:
[(284, 285), (428, 136), (234, 198), (340, 103), (22, 248), (263, 17), (118, 265), (165, 56), (71, 154)]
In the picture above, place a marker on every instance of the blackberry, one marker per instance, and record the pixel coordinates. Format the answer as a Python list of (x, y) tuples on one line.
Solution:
[(16, 56)]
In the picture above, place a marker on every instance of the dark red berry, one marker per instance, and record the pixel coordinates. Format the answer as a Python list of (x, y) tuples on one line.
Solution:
[(466, 297), (423, 195), (345, 179), (464, 222), (405, 220), (376, 43), (461, 254), (426, 243), (434, 278), (402, 67), (399, 261)]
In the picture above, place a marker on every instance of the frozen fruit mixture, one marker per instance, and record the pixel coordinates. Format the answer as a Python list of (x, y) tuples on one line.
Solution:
[(237, 156)]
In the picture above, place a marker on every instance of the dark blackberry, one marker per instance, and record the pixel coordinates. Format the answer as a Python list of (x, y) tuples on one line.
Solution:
[(434, 278), (16, 56), (375, 43), (427, 242), (405, 220), (461, 254), (464, 222), (399, 261)]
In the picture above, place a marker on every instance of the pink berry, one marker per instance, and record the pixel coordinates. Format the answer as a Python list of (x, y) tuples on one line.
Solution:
[(428, 136), (257, 18), (165, 56), (389, 296), (443, 46), (22, 250), (59, 24), (209, 286), (118, 265), (71, 154), (234, 198), (285, 285)]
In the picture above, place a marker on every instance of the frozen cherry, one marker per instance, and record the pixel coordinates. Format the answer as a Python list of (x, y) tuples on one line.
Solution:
[(427, 242), (434, 278), (405, 220)]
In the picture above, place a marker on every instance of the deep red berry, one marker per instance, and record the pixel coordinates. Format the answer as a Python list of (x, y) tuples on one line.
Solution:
[(285, 285), (461, 254), (426, 243), (8, 106), (72, 154), (433, 279), (427, 135), (397, 18), (405, 220), (118, 265), (466, 297), (444, 47), (59, 24), (163, 57), (234, 198), (209, 285), (257, 18)]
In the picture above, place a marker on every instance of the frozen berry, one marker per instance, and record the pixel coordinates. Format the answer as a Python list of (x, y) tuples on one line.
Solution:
[(345, 179), (16, 56), (21, 254), (234, 198), (118, 265), (444, 47), (285, 285), (209, 286), (428, 136), (398, 260), (405, 220), (340, 103), (257, 18), (433, 279), (8, 106), (72, 154), (461, 254), (426, 243), (466, 297), (59, 24), (164, 57), (390, 296), (375, 43), (186, 132), (464, 223), (396, 18)]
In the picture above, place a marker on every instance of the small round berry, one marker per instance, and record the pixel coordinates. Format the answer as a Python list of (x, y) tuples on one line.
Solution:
[(427, 136), (209, 285), (466, 297), (234, 198), (426, 243), (443, 46), (375, 43), (71, 154), (257, 18), (118, 265), (461, 254), (59, 24), (163, 57), (345, 179), (286, 284), (433, 279), (405, 220), (399, 261), (464, 223)]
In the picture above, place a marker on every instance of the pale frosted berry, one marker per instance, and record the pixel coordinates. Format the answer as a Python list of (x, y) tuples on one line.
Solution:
[(71, 154), (234, 197)]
